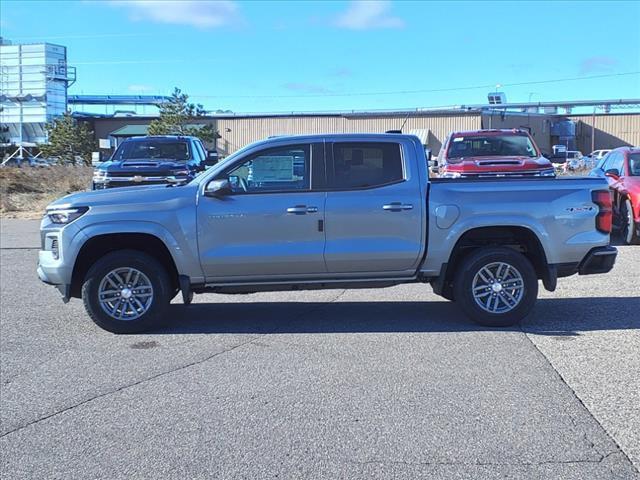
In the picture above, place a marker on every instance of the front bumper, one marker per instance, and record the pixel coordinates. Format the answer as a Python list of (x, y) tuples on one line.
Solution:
[(55, 265), (63, 288), (598, 260)]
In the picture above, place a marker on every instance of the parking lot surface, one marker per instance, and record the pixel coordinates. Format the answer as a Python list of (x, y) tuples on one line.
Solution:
[(386, 383)]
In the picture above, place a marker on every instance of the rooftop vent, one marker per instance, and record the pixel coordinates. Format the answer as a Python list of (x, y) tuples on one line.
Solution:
[(497, 98)]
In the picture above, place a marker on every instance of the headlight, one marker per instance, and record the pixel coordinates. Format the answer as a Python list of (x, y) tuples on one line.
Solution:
[(451, 175), (99, 175), (180, 173), (65, 216), (548, 173)]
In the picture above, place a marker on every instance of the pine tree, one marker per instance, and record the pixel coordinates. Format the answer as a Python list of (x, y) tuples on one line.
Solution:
[(177, 116), (68, 140)]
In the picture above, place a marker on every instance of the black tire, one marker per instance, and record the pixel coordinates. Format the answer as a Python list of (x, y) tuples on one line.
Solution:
[(471, 266), (147, 265), (627, 224)]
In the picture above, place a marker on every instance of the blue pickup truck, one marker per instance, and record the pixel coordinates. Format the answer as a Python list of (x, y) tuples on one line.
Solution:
[(154, 160)]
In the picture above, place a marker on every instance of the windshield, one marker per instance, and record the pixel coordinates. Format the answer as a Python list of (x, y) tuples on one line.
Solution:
[(491, 146), (634, 164), (152, 149)]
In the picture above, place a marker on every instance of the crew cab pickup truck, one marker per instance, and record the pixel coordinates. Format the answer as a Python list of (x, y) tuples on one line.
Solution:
[(324, 211), (492, 153), (153, 160)]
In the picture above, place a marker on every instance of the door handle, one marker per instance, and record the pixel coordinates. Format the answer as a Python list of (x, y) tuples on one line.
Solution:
[(397, 206), (301, 210)]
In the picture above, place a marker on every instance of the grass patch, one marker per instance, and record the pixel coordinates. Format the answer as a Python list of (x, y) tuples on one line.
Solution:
[(26, 191)]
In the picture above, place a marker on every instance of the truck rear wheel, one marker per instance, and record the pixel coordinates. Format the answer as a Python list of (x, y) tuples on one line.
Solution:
[(496, 286), (127, 292)]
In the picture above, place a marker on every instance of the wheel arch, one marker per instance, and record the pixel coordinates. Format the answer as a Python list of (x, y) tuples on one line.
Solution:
[(521, 239), (97, 246)]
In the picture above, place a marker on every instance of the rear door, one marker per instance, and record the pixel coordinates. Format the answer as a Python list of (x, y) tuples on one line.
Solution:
[(374, 208)]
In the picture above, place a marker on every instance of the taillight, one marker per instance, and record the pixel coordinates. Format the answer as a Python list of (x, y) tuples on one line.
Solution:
[(602, 198)]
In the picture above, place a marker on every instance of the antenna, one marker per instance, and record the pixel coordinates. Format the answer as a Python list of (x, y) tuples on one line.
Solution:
[(405, 121)]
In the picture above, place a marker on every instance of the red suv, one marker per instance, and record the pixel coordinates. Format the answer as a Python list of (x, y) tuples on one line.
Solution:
[(492, 153), (621, 167)]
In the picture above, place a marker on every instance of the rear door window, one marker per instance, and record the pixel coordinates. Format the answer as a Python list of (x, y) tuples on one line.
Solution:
[(365, 165)]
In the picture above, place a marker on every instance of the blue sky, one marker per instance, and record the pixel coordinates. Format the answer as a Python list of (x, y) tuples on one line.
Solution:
[(306, 56)]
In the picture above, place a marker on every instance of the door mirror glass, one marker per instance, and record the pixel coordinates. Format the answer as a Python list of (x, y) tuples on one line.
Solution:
[(218, 188), (212, 159), (612, 172)]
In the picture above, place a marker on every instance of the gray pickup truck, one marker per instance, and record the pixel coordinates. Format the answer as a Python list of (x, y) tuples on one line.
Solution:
[(324, 211)]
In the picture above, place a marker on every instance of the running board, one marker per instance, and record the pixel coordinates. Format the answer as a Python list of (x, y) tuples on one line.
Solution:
[(282, 285)]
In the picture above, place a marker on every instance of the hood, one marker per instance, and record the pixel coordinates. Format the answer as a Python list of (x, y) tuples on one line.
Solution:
[(142, 165), (126, 197), (499, 164)]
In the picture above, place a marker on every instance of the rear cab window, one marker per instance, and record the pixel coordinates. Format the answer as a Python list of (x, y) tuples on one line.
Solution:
[(360, 165)]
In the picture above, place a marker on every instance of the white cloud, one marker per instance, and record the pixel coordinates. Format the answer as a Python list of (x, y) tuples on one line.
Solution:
[(196, 13), (368, 14)]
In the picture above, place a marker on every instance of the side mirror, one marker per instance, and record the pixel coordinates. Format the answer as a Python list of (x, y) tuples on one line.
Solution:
[(613, 173), (212, 159), (218, 188)]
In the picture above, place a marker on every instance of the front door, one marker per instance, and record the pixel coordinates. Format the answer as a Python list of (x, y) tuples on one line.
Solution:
[(272, 222)]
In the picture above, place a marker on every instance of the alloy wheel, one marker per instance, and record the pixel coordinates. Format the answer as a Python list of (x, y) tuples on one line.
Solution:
[(498, 287), (125, 293)]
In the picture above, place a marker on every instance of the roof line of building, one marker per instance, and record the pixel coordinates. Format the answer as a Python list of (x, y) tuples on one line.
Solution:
[(158, 99)]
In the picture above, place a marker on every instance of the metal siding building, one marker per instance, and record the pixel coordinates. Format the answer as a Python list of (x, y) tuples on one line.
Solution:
[(240, 130), (611, 130)]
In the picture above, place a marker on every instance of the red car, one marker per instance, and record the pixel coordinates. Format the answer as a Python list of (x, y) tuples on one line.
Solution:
[(621, 167), (492, 153)]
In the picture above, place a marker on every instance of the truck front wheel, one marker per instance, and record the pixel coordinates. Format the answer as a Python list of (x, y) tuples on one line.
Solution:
[(629, 234), (126, 291), (496, 286)]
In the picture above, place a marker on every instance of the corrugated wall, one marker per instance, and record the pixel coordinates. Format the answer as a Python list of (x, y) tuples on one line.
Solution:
[(237, 132), (611, 131)]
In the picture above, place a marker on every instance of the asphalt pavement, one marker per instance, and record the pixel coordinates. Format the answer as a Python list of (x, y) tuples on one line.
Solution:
[(381, 383)]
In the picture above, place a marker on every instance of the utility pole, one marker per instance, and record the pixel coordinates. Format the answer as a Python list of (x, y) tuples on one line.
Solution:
[(593, 130)]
